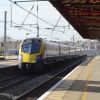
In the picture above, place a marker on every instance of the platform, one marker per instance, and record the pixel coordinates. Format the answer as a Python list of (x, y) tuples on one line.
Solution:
[(83, 83), (8, 63)]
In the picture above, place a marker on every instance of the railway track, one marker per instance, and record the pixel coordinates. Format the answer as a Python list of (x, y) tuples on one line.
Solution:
[(8, 82), (6, 72), (21, 89), (49, 81)]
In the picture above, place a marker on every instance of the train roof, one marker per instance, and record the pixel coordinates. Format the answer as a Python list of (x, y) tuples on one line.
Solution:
[(47, 42), (28, 40), (33, 39)]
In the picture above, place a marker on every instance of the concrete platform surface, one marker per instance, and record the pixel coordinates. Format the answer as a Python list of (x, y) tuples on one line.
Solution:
[(8, 63), (82, 84)]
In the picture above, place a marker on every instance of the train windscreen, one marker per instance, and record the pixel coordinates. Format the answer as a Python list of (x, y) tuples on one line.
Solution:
[(31, 47)]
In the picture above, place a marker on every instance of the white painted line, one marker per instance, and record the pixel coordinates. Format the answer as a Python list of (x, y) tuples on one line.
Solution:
[(8, 62), (54, 87)]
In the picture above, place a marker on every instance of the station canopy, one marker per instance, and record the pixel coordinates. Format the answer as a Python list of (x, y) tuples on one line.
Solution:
[(83, 15)]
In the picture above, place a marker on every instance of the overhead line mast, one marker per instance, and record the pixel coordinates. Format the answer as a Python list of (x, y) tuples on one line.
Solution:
[(5, 30), (37, 21), (11, 15)]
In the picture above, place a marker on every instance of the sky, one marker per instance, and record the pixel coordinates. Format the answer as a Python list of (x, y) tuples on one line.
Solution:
[(46, 12)]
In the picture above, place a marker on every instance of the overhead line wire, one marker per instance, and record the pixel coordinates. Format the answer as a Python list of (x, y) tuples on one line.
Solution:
[(27, 15), (56, 23), (29, 1), (25, 28), (1, 21), (31, 13), (22, 27)]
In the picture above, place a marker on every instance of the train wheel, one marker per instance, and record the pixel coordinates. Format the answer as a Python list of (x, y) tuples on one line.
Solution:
[(21, 66), (25, 67)]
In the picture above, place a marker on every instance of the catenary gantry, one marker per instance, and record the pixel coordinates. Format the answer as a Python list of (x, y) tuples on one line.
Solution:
[(83, 15)]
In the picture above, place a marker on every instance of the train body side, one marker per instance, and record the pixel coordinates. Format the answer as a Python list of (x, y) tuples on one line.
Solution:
[(34, 53)]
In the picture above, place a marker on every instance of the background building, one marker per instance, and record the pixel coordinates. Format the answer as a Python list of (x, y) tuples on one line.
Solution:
[(12, 45)]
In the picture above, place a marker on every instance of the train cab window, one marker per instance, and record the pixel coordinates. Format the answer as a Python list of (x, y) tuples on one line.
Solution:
[(26, 47), (35, 47), (32, 47)]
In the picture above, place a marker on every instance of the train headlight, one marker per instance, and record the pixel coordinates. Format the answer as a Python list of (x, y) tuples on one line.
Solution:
[(20, 58)]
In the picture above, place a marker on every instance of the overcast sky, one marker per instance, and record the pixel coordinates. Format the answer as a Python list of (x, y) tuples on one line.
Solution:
[(46, 12)]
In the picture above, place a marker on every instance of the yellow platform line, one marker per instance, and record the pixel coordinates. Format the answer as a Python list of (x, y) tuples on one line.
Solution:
[(90, 73)]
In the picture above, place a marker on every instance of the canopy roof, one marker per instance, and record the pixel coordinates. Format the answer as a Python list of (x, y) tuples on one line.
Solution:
[(83, 15)]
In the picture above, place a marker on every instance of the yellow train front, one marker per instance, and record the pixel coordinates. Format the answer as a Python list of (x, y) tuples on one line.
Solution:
[(31, 52)]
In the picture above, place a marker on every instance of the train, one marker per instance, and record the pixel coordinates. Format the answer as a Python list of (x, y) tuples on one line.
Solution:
[(35, 53)]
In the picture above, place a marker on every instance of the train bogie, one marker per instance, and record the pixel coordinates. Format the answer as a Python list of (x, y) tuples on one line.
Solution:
[(27, 67)]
